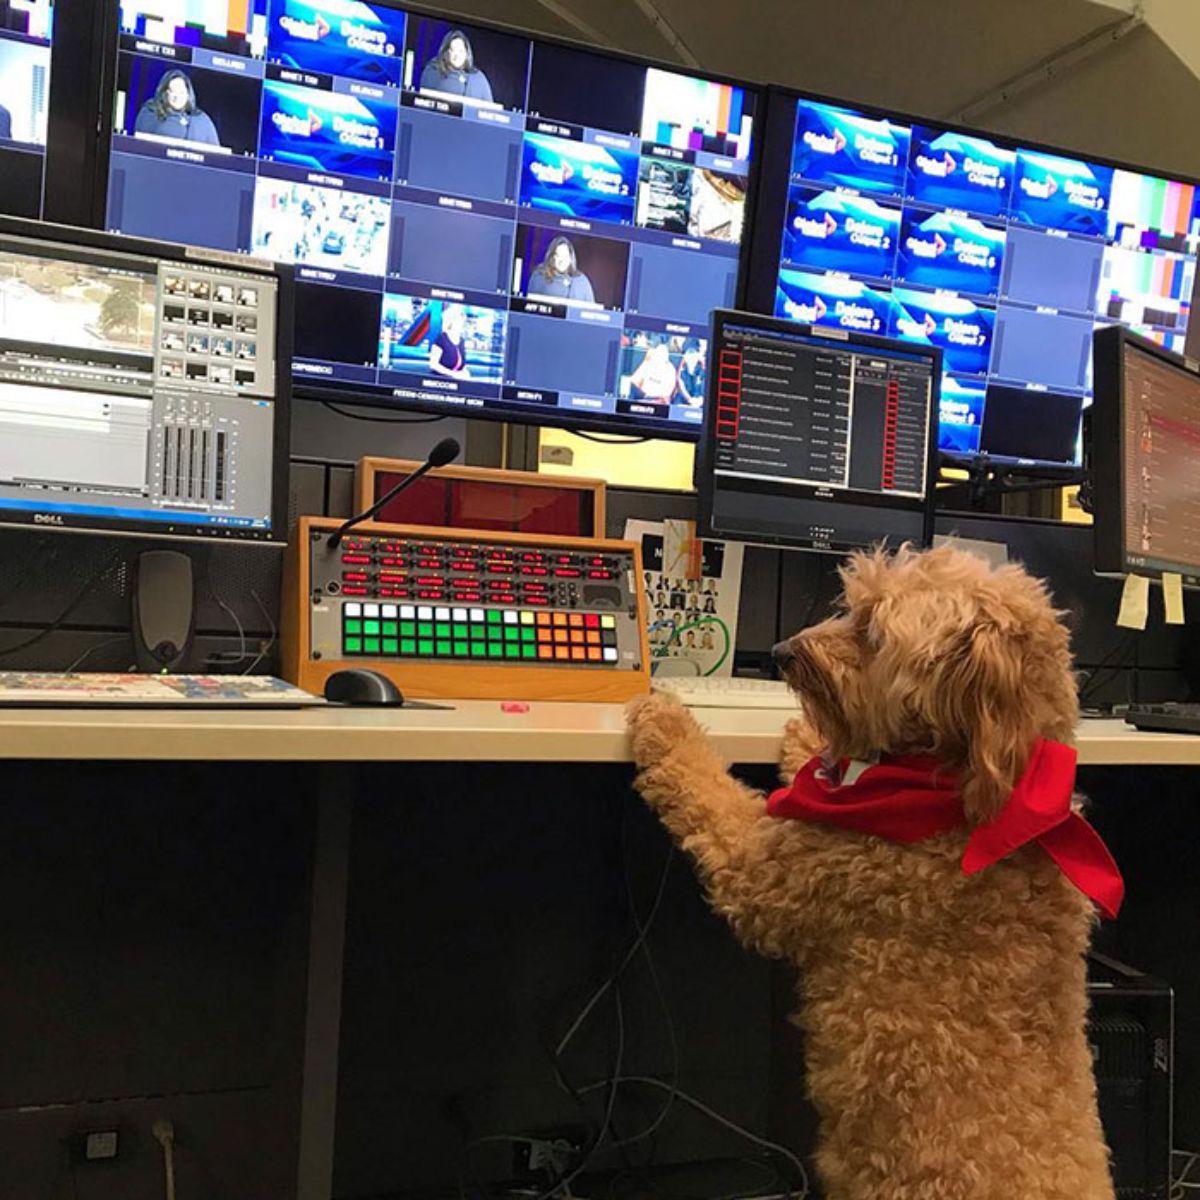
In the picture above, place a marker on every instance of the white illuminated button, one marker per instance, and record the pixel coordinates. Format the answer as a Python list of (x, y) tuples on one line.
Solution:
[(443, 614), (510, 617), (389, 611), (610, 654), (477, 614), (424, 613), (370, 610), (460, 614), (408, 612), (352, 610)]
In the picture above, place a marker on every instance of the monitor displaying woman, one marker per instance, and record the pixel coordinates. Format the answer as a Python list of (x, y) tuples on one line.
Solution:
[(172, 112), (558, 275), (447, 355), (453, 71)]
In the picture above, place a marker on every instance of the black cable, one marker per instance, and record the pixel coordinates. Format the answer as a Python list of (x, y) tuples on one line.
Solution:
[(357, 416), (1106, 664), (61, 619), (608, 441)]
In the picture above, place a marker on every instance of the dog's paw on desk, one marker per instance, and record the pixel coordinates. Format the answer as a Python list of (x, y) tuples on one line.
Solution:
[(658, 725)]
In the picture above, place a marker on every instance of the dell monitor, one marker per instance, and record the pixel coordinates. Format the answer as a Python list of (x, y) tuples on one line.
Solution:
[(26, 27), (1145, 452), (818, 439), (482, 223), (1004, 255), (144, 387)]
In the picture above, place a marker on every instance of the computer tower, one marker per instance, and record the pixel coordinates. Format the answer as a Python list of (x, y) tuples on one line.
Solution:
[(1131, 1034)]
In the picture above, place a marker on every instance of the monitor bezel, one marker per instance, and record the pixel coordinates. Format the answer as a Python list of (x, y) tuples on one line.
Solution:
[(777, 134), (1107, 451), (274, 537), (705, 458), (347, 395)]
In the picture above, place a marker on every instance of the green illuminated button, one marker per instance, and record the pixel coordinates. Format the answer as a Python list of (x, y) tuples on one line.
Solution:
[(390, 629), (460, 631), (371, 646), (443, 631), (391, 646), (371, 628), (424, 630), (353, 627), (527, 635), (511, 633), (528, 651), (478, 650), (424, 647), (460, 650), (493, 617), (511, 651), (408, 629), (444, 649), (353, 645), (495, 650), (408, 646)]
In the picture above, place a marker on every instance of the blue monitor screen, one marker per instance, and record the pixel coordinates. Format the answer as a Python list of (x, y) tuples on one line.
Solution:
[(472, 229), (1005, 257), (26, 27)]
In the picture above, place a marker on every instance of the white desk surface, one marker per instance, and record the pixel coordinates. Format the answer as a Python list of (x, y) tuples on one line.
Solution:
[(474, 731)]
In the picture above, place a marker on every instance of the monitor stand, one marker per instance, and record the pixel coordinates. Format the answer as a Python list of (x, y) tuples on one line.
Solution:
[(163, 605)]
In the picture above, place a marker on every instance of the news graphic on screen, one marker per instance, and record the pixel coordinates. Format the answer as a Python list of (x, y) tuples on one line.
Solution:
[(1004, 257), (25, 32), (472, 229)]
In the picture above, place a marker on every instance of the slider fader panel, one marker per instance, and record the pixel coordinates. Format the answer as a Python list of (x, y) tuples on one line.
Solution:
[(456, 613)]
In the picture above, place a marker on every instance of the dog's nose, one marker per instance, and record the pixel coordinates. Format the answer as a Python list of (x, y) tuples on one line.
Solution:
[(783, 654)]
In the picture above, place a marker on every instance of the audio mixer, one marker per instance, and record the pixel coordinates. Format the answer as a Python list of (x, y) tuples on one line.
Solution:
[(460, 613)]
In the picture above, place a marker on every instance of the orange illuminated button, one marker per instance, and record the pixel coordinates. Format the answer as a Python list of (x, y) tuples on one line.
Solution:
[(594, 653), (545, 651), (593, 637), (544, 635), (577, 636), (543, 618), (576, 619), (562, 652), (560, 618), (560, 635), (578, 653)]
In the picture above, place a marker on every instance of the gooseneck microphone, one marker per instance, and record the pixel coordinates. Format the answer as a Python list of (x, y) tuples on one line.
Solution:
[(444, 452)]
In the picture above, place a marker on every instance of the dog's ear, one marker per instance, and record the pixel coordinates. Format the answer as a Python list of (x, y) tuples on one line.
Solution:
[(997, 718)]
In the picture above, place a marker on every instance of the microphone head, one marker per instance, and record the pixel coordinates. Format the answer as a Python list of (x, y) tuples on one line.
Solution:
[(444, 452)]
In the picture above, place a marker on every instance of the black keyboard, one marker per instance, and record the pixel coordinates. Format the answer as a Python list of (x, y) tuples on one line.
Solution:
[(1165, 718)]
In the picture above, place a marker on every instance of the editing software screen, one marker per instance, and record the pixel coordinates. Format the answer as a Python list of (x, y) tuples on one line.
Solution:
[(1161, 441), (1004, 256), (136, 394), (817, 440), (479, 221), (25, 32)]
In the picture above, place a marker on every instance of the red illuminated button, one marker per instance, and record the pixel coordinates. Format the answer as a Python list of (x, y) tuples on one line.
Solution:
[(354, 576), (567, 572), (592, 621), (356, 559), (355, 590)]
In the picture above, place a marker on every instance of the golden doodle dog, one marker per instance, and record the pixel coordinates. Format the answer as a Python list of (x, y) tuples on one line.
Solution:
[(929, 876)]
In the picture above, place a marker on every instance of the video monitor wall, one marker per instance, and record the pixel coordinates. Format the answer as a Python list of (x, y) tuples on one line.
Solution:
[(479, 221), (26, 27), (1006, 257)]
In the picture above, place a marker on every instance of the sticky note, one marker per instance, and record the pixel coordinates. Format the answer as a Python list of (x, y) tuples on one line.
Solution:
[(1135, 602), (1173, 598)]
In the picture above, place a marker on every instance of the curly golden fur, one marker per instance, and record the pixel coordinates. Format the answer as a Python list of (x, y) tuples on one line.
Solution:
[(944, 1015)]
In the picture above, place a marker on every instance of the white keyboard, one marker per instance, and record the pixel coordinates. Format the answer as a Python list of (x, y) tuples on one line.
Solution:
[(711, 692)]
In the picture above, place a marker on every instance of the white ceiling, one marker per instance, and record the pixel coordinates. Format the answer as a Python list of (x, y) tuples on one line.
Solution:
[(1132, 99)]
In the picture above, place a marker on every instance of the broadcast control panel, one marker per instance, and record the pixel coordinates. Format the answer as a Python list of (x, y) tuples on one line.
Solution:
[(468, 614)]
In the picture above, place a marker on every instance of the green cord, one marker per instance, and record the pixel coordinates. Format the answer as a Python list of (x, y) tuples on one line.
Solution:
[(705, 620)]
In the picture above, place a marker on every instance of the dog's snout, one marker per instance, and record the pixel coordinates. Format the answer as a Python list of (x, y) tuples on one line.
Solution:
[(783, 654)]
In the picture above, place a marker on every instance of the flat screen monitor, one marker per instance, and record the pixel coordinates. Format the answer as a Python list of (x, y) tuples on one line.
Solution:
[(1006, 256), (481, 222), (817, 438), (26, 27), (1145, 458), (144, 387)]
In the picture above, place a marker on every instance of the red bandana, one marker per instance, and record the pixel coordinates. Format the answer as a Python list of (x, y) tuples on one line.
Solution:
[(910, 798)]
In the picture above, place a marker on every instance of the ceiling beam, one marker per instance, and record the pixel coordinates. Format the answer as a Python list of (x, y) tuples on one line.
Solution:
[(667, 32), (563, 13), (1049, 70)]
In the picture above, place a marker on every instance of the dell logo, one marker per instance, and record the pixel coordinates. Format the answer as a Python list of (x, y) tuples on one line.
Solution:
[(47, 519)]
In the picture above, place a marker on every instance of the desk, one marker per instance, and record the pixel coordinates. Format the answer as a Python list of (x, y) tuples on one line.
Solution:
[(473, 731), (338, 741)]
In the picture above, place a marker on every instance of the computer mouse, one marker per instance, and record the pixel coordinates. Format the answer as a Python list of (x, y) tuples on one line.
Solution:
[(360, 687)]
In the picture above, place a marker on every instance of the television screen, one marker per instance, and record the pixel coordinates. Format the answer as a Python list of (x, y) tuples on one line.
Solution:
[(1003, 256), (25, 31), (479, 222)]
